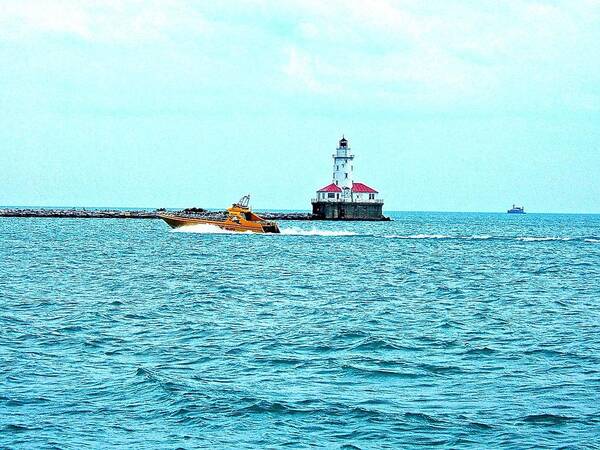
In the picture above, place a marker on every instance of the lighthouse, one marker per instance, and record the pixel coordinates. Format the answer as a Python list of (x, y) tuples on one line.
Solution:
[(343, 166), (343, 198)]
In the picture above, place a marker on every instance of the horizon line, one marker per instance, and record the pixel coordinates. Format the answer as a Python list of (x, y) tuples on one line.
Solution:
[(280, 209)]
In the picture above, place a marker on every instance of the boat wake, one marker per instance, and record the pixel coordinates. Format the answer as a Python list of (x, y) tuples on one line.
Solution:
[(418, 236), (295, 231), (437, 236), (495, 238), (540, 239), (203, 228)]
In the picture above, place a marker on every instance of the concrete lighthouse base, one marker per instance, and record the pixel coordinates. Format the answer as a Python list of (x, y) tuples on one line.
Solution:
[(348, 211)]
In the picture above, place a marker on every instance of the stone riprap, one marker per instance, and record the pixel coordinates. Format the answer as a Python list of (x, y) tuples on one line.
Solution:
[(78, 213), (137, 214)]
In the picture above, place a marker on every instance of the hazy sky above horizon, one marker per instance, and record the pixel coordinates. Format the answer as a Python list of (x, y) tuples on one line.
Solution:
[(448, 105)]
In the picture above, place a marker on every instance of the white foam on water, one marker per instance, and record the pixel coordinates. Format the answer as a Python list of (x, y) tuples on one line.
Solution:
[(294, 231), (593, 241), (202, 228), (538, 239), (438, 236), (419, 236)]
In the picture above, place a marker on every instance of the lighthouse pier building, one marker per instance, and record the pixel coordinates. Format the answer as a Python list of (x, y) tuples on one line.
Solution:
[(345, 199)]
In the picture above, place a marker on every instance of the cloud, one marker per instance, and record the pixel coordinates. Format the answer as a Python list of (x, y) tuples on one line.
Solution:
[(447, 52), (98, 20), (388, 52), (300, 69)]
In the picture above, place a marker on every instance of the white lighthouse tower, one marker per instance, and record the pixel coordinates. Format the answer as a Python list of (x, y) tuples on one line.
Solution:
[(343, 167), (345, 199)]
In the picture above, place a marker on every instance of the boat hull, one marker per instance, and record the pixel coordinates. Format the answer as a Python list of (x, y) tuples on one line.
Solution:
[(243, 226)]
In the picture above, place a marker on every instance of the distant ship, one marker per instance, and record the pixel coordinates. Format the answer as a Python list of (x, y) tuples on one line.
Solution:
[(516, 210)]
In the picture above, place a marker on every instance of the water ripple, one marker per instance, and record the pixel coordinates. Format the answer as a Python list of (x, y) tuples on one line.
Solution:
[(448, 330)]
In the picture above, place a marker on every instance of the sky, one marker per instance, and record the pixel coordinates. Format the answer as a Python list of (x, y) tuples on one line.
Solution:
[(460, 105)]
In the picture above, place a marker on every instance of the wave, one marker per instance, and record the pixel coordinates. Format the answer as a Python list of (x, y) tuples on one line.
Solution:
[(480, 351), (536, 239), (486, 237), (546, 419), (374, 344), (421, 417), (15, 427), (437, 236), (379, 372), (556, 238), (480, 426), (202, 228), (419, 236), (294, 231), (265, 406)]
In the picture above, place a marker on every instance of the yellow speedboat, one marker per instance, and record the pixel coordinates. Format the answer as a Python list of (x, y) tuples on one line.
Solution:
[(238, 218)]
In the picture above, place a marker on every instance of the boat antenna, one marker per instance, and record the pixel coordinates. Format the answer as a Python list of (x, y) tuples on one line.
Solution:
[(244, 201)]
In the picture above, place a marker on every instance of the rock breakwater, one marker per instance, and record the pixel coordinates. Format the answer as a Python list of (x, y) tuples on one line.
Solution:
[(81, 213), (77, 213)]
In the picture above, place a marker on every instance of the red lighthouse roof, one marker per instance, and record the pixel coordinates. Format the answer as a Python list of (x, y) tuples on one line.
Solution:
[(360, 187), (330, 188)]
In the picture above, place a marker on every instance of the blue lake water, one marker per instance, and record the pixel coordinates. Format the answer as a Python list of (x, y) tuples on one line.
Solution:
[(435, 329)]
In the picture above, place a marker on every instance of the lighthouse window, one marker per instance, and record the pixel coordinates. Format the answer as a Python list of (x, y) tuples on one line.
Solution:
[(346, 175), (371, 196), (331, 195), (337, 167)]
